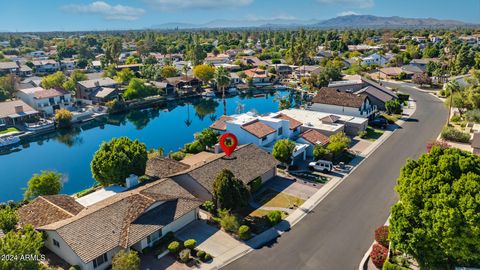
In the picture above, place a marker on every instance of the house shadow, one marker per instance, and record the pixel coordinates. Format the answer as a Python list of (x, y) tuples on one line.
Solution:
[(269, 238)]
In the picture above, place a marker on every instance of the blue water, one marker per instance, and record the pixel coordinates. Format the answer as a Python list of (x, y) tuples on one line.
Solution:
[(70, 153)]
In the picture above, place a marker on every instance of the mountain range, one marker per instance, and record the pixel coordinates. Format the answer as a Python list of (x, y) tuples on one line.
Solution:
[(348, 21)]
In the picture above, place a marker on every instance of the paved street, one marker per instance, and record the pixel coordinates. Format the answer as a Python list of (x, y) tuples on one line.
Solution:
[(340, 229)]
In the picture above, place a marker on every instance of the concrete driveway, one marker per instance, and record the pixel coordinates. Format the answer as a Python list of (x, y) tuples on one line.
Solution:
[(209, 238), (300, 189)]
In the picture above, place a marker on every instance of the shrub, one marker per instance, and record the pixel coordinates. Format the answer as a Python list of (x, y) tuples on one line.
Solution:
[(454, 135), (473, 116), (190, 243), (228, 221), (441, 144), (362, 134), (207, 257), (274, 217), (177, 155), (201, 254), (184, 255), (390, 266), (194, 147), (402, 97), (456, 118), (174, 246), (378, 255), (74, 267), (63, 118), (393, 107), (244, 232), (209, 206), (256, 184), (381, 235)]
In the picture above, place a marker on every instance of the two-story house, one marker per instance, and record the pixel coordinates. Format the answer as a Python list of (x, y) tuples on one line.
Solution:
[(336, 101), (45, 100), (45, 66), (374, 59), (97, 90)]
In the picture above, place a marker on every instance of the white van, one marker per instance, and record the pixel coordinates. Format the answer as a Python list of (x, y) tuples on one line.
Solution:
[(321, 166)]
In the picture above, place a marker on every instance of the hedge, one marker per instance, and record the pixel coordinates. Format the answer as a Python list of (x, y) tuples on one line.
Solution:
[(454, 135), (390, 266), (402, 97), (244, 232)]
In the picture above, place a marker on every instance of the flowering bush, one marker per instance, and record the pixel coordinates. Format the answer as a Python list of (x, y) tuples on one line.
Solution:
[(381, 235), (441, 144), (378, 255)]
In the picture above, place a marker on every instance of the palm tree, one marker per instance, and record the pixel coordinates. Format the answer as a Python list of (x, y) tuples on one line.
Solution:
[(451, 88), (222, 80)]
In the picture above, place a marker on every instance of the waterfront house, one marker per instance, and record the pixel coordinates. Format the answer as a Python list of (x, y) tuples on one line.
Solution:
[(257, 76), (134, 219), (306, 71), (89, 89), (15, 112), (46, 100), (336, 101), (184, 84), (45, 66), (247, 163)]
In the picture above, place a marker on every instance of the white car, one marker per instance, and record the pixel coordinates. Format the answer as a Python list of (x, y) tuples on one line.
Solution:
[(321, 166)]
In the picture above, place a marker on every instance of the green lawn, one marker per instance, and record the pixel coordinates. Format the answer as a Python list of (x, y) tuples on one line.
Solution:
[(373, 134), (8, 130), (270, 198)]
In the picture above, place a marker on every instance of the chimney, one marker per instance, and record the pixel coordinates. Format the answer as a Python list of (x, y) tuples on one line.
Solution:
[(131, 181), (97, 83), (19, 109)]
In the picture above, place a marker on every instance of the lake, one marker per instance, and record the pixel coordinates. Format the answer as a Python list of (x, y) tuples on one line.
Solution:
[(70, 152)]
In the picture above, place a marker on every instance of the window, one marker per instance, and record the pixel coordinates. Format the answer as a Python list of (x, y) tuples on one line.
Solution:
[(280, 131), (100, 260), (56, 243), (264, 138)]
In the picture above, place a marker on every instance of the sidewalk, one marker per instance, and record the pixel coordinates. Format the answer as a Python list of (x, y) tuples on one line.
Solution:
[(292, 219)]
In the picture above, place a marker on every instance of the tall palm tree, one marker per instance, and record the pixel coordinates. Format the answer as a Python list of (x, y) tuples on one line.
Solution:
[(451, 88), (222, 80)]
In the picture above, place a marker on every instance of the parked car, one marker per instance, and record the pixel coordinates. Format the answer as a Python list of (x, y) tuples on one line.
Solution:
[(321, 166), (379, 122)]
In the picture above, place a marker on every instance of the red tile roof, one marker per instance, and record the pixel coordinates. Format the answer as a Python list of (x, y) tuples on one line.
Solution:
[(258, 129), (49, 93), (293, 123), (314, 137), (220, 123)]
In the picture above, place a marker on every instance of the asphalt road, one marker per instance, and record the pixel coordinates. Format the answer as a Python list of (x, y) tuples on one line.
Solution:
[(340, 229)]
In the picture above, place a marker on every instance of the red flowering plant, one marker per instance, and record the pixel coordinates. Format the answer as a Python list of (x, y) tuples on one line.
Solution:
[(378, 255), (381, 235)]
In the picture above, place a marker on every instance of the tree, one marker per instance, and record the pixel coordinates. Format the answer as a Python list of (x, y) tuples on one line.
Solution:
[(137, 89), (17, 244), (133, 59), (204, 72), (110, 71), (45, 183), (118, 159), (7, 87), (393, 107), (338, 143), (222, 80), (124, 75), (321, 152), (76, 76), (168, 71), (112, 48), (421, 78), (8, 219), (54, 80), (207, 137), (63, 118), (283, 150), (126, 261), (229, 192), (438, 215)]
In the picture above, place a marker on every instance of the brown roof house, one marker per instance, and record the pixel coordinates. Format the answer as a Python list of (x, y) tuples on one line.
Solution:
[(15, 111), (97, 90), (313, 137), (134, 219), (336, 101), (247, 163)]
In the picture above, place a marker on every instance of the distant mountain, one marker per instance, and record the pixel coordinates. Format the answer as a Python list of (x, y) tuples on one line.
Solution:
[(360, 21), (348, 21)]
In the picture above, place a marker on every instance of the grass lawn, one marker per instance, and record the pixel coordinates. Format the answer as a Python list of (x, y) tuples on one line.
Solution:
[(8, 130), (373, 134), (271, 198)]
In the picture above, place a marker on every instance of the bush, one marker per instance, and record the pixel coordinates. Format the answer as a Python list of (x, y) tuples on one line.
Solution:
[(63, 118), (201, 254), (256, 184), (390, 266), (362, 134), (393, 107), (228, 221), (74, 267), (194, 147), (244, 232), (173, 247), (402, 97), (473, 116), (177, 155), (207, 257), (209, 206), (190, 243), (442, 93), (378, 255), (184, 255), (456, 118), (274, 217), (454, 135), (441, 144), (381, 235)]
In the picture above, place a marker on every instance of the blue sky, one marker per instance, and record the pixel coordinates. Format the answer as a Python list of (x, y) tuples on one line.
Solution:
[(34, 15)]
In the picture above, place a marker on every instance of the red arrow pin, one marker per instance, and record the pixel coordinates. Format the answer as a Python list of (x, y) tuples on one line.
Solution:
[(228, 142)]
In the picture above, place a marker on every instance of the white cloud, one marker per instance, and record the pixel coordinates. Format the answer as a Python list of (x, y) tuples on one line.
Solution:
[(346, 13), (109, 12), (184, 4), (355, 3)]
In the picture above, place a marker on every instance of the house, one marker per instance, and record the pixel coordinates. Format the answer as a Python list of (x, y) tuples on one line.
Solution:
[(313, 137), (253, 61), (257, 76), (184, 84), (67, 64), (419, 39), (132, 67), (234, 78), (336, 101), (247, 163), (9, 68), (45, 100), (212, 59), (89, 89), (327, 123), (166, 87), (306, 71), (282, 69), (374, 59), (422, 63), (393, 73), (45, 66), (413, 69), (25, 71), (15, 112), (134, 219), (36, 54), (475, 143)]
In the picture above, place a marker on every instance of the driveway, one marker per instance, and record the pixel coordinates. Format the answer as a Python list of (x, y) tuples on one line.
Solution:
[(299, 188), (339, 230), (168, 262), (209, 238)]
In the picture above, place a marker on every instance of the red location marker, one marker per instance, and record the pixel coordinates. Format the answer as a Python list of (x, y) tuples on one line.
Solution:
[(228, 142)]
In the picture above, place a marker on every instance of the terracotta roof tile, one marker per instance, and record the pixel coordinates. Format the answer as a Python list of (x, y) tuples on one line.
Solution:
[(314, 137), (258, 129), (220, 123), (293, 123)]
